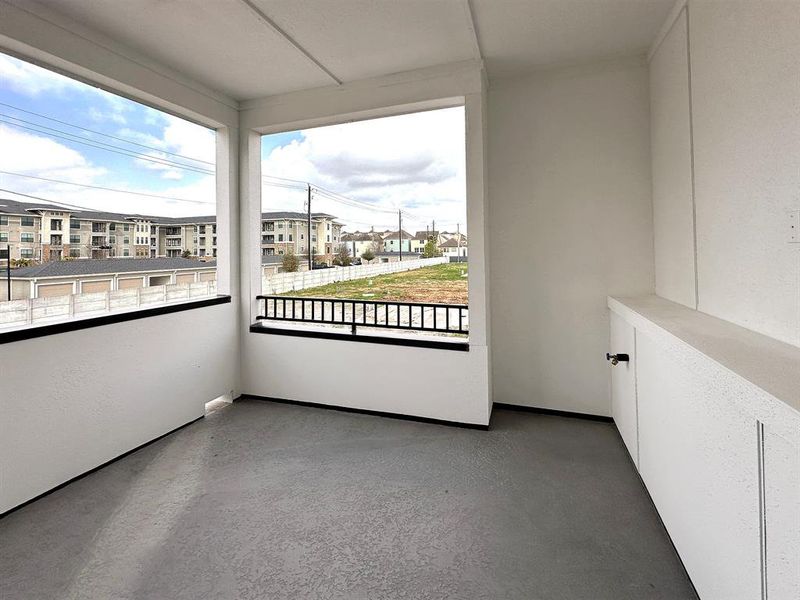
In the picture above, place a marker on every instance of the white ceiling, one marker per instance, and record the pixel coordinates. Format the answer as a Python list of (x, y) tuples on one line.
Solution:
[(240, 47)]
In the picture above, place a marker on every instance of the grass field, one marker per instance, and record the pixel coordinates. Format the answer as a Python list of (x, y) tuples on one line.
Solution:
[(439, 283)]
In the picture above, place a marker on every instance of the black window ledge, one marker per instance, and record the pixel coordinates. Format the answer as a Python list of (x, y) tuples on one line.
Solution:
[(369, 339), (36, 331)]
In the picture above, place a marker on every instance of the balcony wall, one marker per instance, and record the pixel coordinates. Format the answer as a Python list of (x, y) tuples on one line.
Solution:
[(88, 395), (434, 383)]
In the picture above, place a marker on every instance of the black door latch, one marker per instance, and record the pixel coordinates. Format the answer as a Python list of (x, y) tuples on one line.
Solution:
[(617, 358)]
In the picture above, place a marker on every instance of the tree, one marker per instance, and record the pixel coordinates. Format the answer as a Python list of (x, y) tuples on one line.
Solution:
[(368, 254), (430, 250), (186, 254), (290, 263), (342, 257)]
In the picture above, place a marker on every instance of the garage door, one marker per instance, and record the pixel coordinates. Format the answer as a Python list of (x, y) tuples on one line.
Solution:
[(54, 289), (208, 276), (91, 287), (184, 278), (130, 283), (160, 280)]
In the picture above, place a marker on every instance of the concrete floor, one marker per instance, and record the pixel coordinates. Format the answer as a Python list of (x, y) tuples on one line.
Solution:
[(271, 501)]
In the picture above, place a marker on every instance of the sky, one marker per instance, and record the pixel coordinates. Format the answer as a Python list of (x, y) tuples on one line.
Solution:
[(53, 127), (413, 162)]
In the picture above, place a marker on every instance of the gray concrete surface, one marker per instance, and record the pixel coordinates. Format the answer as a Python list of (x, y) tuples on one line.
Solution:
[(271, 501)]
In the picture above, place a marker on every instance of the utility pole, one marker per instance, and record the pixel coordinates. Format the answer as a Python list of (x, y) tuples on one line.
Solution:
[(400, 232), (310, 258), (458, 238), (8, 271)]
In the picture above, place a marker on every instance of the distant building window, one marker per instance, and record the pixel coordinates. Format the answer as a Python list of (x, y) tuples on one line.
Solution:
[(3, 237), (112, 239), (290, 238), (75, 252), (126, 240), (26, 252), (3, 220), (125, 227), (112, 227), (26, 221), (74, 239), (280, 225), (126, 252), (26, 237), (280, 237), (74, 224)]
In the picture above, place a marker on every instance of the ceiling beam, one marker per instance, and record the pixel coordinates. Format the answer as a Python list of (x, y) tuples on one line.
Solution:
[(476, 44), (291, 41)]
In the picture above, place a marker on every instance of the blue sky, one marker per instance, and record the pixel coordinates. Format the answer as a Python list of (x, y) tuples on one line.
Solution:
[(410, 162), (141, 157)]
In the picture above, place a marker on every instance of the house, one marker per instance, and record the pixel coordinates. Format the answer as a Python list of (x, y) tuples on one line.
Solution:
[(397, 241), (358, 242), (615, 413), (453, 247)]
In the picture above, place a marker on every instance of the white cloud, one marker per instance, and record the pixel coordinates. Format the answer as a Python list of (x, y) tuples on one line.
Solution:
[(416, 162), (36, 154), (30, 80), (178, 137), (43, 157)]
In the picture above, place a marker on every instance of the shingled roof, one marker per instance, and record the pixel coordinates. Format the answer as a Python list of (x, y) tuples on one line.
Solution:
[(100, 266)]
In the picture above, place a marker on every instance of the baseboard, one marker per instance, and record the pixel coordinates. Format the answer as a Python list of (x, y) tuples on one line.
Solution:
[(553, 412), (364, 411), (97, 468)]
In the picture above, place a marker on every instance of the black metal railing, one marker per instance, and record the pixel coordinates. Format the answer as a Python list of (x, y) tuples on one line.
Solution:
[(413, 316)]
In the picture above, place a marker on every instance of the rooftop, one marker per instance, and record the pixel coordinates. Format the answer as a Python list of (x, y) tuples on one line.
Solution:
[(14, 207), (98, 266)]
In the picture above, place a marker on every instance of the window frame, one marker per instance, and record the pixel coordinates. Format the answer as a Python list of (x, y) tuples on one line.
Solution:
[(215, 113)]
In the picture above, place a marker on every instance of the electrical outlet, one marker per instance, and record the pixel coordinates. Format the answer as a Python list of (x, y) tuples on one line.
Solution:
[(794, 227)]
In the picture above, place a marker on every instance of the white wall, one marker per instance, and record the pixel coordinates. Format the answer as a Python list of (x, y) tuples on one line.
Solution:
[(571, 222), (88, 395), (75, 400), (744, 111)]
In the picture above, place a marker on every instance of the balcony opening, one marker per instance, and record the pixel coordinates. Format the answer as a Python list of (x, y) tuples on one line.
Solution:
[(134, 184), (363, 227)]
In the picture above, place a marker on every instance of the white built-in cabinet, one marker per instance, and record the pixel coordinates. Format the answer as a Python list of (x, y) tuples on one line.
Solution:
[(719, 455)]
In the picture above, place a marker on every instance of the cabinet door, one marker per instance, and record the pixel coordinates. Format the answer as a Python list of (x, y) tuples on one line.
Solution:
[(781, 481), (623, 384)]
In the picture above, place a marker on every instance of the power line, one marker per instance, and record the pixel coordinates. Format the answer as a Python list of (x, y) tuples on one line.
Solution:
[(80, 140), (30, 112), (109, 148), (108, 189)]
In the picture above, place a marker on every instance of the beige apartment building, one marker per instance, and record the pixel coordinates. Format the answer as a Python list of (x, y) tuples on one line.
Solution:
[(282, 232), (43, 233)]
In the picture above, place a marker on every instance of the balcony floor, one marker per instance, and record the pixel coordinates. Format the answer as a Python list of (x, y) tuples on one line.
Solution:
[(263, 500)]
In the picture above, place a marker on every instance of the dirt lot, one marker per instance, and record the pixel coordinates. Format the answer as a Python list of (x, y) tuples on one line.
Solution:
[(445, 283)]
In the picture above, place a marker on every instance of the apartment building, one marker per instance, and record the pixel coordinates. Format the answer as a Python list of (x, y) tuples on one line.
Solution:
[(282, 232), (43, 232)]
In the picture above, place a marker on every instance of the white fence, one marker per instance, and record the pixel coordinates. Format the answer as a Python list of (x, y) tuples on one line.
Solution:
[(281, 283), (62, 308)]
